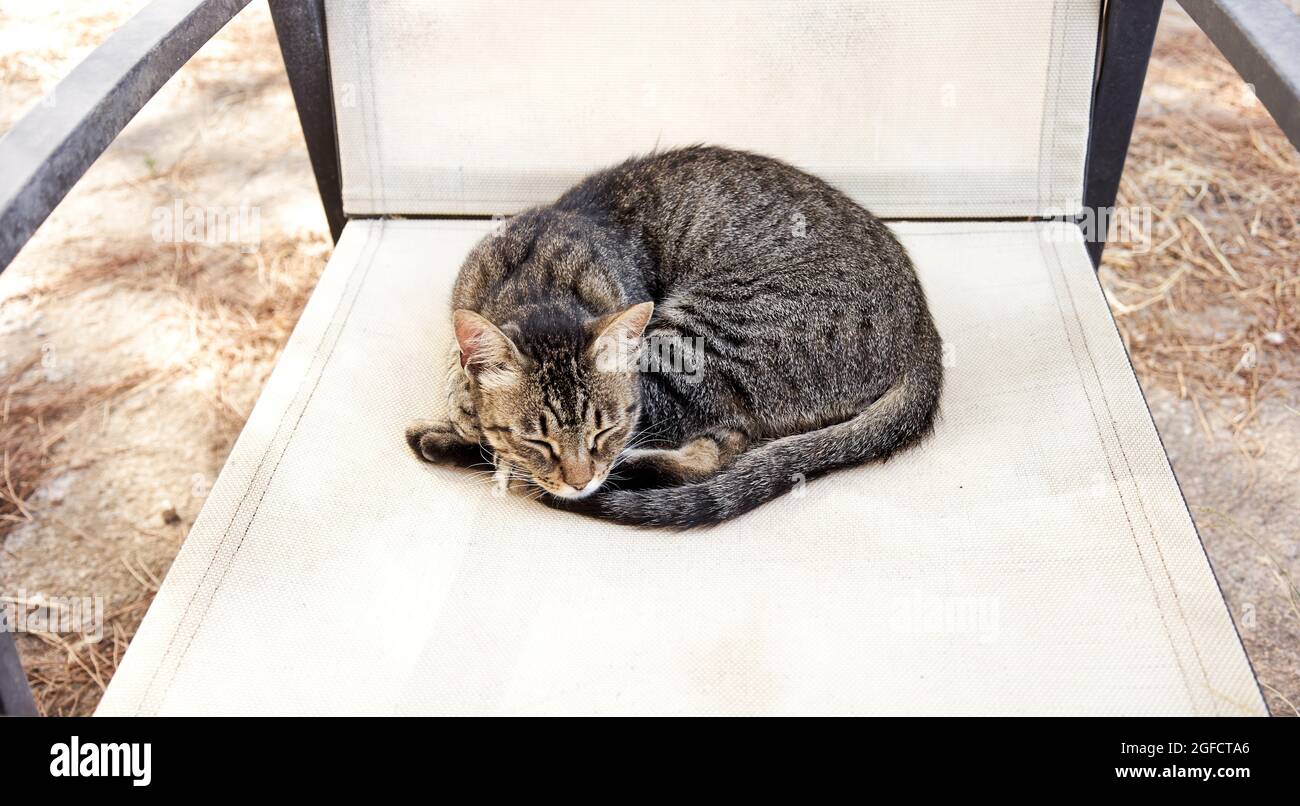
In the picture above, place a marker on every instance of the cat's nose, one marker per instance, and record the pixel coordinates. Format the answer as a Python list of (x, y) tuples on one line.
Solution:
[(577, 474)]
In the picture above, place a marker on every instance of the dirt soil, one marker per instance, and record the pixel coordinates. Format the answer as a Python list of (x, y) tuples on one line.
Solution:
[(128, 362), (1209, 307)]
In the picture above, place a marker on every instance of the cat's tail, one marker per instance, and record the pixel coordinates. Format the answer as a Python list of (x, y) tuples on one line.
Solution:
[(898, 418)]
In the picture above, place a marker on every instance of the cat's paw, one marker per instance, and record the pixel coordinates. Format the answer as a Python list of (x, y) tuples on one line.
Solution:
[(440, 443), (694, 461)]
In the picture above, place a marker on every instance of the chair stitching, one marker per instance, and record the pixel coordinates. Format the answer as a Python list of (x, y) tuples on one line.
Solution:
[(252, 484), (372, 116), (1045, 119), (1058, 59), (1052, 271), (1142, 503)]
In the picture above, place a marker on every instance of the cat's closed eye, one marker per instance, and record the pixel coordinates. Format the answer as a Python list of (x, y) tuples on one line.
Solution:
[(594, 443), (542, 446)]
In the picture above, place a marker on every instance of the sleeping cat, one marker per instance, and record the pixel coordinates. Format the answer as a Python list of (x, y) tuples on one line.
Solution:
[(787, 331)]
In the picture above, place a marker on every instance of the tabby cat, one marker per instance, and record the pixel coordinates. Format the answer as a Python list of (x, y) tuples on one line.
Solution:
[(685, 336)]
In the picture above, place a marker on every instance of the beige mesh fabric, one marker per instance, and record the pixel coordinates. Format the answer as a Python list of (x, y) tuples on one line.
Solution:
[(920, 108), (1034, 556)]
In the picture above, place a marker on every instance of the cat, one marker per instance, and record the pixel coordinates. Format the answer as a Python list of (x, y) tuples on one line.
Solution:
[(788, 333)]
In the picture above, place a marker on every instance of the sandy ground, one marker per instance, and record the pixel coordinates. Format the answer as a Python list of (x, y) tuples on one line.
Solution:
[(1210, 310), (129, 363)]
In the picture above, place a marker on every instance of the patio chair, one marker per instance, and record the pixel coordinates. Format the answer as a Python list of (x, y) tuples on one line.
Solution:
[(1034, 556)]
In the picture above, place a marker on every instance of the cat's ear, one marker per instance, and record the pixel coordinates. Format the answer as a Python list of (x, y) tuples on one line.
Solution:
[(617, 343), (487, 354)]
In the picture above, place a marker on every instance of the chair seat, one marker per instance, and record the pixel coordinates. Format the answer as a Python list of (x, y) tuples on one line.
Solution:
[(1033, 556)]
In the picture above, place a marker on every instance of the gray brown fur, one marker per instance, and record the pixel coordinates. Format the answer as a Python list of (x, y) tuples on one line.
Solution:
[(819, 350)]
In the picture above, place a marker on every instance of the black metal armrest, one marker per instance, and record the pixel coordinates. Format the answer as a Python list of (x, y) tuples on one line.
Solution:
[(1261, 38), (45, 154), (15, 696)]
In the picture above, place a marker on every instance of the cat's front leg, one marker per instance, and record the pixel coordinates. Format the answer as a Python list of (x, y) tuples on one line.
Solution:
[(456, 440), (697, 459), (441, 443)]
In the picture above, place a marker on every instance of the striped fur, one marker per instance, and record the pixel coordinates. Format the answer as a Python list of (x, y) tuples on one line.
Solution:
[(788, 329)]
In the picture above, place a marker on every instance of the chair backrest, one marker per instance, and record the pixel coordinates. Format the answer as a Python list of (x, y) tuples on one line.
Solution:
[(916, 108)]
